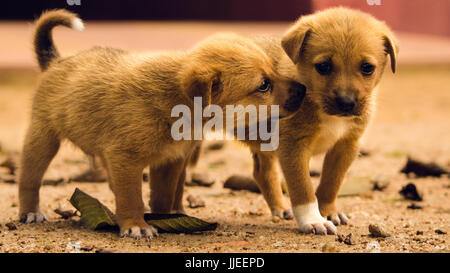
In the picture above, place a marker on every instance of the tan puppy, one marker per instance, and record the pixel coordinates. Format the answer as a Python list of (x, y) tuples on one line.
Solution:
[(340, 55), (117, 106)]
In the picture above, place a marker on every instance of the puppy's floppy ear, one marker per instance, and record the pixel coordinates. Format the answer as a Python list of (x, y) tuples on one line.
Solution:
[(201, 83), (391, 48), (294, 41)]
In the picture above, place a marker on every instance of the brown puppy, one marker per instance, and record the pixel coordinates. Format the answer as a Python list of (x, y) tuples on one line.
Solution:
[(117, 105), (340, 55)]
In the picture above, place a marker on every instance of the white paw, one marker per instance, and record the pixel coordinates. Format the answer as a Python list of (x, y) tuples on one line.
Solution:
[(338, 218), (138, 232), (322, 228), (309, 220), (33, 217)]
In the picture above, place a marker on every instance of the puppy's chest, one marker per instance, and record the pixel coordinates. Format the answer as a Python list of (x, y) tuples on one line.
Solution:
[(331, 130)]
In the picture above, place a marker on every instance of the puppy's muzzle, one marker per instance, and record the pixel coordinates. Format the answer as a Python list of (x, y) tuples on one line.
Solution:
[(296, 94), (345, 104)]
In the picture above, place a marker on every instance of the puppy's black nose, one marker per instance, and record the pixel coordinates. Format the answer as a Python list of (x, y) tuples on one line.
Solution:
[(345, 103), (296, 93)]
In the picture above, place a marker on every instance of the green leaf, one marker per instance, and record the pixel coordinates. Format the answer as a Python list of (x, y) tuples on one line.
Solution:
[(95, 216), (178, 223)]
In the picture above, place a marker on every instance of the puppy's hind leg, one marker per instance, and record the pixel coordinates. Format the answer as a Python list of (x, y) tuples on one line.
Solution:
[(164, 185), (126, 183), (40, 147), (95, 173)]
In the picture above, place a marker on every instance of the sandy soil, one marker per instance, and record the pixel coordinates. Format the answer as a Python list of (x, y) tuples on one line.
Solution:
[(412, 119)]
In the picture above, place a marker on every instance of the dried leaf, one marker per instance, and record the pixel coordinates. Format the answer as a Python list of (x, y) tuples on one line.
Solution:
[(421, 169), (410, 192), (94, 215), (178, 223)]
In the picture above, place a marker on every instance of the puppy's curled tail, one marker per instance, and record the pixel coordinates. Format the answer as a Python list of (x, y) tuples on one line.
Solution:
[(43, 43)]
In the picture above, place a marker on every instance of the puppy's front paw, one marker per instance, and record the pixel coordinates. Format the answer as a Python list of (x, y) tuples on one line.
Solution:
[(137, 229), (338, 218), (286, 214), (320, 228), (310, 221), (330, 211), (33, 217)]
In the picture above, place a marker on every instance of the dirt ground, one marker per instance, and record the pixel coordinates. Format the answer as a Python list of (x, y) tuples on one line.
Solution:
[(412, 119)]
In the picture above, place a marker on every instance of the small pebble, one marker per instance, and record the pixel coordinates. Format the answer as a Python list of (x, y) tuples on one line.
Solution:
[(195, 202), (348, 240), (373, 247), (380, 183), (378, 230), (329, 248), (11, 226), (201, 179)]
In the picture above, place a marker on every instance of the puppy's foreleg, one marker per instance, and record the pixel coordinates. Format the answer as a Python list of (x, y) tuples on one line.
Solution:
[(267, 176), (294, 159), (39, 149), (336, 163), (164, 185), (126, 180)]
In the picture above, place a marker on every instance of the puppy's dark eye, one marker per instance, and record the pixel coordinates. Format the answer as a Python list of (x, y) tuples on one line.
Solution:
[(324, 68), (265, 86), (367, 69)]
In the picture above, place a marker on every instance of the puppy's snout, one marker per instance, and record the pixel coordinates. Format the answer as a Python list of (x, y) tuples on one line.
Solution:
[(296, 94), (345, 104)]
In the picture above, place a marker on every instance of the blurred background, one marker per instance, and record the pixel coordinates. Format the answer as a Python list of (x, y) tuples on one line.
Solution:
[(422, 28)]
